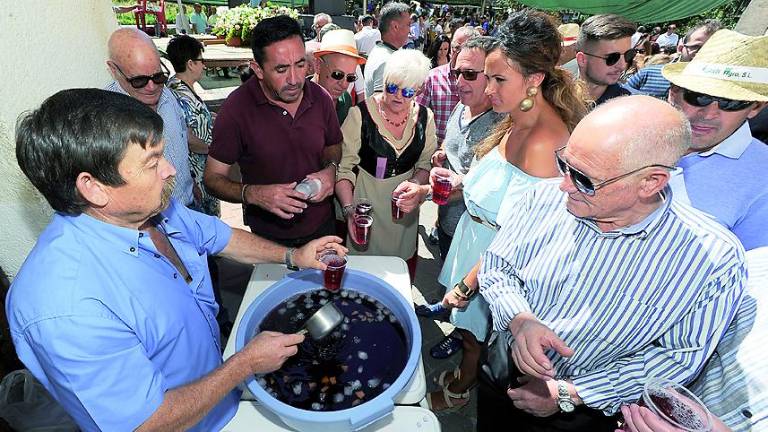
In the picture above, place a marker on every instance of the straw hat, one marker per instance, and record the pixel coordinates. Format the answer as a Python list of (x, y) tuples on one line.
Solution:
[(729, 65), (569, 33), (341, 42)]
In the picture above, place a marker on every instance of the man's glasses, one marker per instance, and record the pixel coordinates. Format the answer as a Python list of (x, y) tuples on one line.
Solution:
[(141, 81), (469, 75), (701, 100), (584, 184), (613, 58), (407, 92), (339, 75)]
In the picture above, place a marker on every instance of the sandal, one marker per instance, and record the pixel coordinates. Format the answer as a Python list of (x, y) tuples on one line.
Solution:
[(448, 396)]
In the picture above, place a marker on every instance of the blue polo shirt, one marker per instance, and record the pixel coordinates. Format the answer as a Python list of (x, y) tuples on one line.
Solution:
[(728, 182), (107, 324)]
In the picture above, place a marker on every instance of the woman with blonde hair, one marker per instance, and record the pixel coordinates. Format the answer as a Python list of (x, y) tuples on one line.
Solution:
[(388, 142), (542, 106)]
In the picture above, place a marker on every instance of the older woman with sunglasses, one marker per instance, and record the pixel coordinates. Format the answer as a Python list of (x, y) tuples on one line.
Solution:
[(186, 56), (541, 106), (388, 142)]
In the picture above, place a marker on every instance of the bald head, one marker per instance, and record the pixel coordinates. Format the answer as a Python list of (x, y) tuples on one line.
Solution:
[(132, 54), (662, 137)]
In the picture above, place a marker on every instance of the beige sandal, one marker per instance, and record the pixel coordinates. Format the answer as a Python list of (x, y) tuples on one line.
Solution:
[(447, 394)]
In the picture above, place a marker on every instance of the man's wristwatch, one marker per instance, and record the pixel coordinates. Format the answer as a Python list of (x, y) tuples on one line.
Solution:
[(289, 259), (564, 400)]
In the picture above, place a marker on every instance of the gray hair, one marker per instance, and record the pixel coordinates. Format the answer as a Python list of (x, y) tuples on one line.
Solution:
[(483, 43), (470, 31), (604, 27), (323, 16), (326, 28), (391, 12), (407, 68)]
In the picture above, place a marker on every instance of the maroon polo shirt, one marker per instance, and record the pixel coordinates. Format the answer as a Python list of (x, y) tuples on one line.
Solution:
[(273, 147)]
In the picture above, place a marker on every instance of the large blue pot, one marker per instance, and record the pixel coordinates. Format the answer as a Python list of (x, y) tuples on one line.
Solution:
[(351, 419)]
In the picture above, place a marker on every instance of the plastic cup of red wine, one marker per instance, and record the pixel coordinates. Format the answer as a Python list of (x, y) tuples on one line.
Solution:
[(397, 213), (334, 272), (441, 189), (363, 224), (676, 405)]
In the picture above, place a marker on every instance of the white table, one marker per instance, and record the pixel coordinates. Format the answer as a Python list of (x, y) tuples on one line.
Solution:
[(392, 270)]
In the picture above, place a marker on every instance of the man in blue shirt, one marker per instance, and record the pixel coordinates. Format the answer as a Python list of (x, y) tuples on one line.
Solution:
[(724, 172), (113, 309)]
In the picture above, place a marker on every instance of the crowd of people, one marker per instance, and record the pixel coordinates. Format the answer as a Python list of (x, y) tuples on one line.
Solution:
[(613, 231)]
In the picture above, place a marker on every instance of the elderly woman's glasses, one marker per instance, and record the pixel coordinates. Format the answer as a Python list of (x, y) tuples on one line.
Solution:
[(469, 75), (584, 184), (701, 100), (407, 92), (613, 58), (141, 81)]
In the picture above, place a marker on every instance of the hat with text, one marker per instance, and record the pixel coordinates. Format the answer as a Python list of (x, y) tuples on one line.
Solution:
[(569, 33), (730, 65), (339, 42)]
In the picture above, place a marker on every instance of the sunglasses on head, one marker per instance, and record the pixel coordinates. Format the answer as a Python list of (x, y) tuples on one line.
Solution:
[(613, 58), (407, 92), (469, 75), (141, 81), (585, 184), (701, 100)]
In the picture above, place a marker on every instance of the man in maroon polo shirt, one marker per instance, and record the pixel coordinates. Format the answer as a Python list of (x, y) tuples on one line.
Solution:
[(281, 129)]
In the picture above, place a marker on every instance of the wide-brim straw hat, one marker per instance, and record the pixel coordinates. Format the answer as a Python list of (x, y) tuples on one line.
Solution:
[(730, 65), (569, 33), (339, 42)]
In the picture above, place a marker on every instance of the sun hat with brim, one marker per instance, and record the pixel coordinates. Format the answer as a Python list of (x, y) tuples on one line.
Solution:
[(569, 33), (730, 65), (339, 42)]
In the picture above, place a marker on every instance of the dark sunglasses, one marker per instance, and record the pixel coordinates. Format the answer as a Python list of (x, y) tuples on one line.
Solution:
[(613, 58), (701, 100), (469, 75), (584, 184), (141, 81), (407, 92), (339, 75)]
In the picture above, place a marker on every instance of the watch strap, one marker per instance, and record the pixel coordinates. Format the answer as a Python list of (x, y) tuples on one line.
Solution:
[(289, 259)]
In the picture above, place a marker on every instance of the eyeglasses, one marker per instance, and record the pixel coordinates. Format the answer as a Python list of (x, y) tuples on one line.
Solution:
[(469, 75), (701, 100), (613, 58), (407, 92), (584, 184), (339, 75), (141, 81)]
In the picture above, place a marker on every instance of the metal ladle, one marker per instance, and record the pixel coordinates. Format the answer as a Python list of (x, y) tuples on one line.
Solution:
[(322, 322)]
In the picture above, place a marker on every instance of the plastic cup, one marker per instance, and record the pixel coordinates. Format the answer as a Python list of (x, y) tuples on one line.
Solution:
[(363, 207), (676, 405), (441, 189), (363, 225), (335, 270), (397, 214)]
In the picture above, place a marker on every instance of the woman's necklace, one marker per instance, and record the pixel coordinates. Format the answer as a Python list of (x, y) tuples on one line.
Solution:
[(396, 124)]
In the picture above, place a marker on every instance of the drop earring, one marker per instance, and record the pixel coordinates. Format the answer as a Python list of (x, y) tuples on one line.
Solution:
[(527, 103)]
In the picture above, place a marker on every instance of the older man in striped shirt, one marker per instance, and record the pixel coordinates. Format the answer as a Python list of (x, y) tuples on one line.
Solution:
[(606, 280)]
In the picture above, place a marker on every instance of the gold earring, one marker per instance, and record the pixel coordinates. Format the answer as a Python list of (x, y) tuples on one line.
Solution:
[(527, 103)]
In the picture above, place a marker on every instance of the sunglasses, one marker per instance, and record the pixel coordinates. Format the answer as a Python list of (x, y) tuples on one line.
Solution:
[(613, 58), (584, 184), (407, 92), (339, 75), (141, 81), (469, 75), (701, 100)]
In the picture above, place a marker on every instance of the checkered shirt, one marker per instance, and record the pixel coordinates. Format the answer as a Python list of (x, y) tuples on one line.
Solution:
[(441, 95)]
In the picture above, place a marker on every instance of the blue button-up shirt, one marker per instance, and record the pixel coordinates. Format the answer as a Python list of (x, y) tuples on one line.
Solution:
[(108, 324), (652, 299)]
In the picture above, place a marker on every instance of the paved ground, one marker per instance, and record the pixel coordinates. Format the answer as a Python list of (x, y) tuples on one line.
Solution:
[(426, 289)]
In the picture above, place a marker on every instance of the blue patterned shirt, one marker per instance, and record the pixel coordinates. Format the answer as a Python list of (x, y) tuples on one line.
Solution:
[(651, 299), (176, 149)]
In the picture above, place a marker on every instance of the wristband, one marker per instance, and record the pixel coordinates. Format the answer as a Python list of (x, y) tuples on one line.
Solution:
[(345, 211), (289, 259), (242, 193)]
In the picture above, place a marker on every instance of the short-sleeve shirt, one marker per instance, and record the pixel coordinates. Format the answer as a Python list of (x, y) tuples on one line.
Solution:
[(272, 148), (374, 67), (441, 94), (108, 325), (612, 91)]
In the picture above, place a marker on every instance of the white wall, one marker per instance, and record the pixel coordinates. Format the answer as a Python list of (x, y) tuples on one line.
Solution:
[(45, 46)]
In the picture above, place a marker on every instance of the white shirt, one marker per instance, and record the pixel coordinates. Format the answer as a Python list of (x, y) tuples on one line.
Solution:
[(667, 39), (182, 24), (366, 39)]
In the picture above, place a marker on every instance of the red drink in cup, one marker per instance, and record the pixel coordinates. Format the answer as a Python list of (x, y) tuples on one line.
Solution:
[(397, 214), (363, 225), (334, 272), (676, 405), (441, 189)]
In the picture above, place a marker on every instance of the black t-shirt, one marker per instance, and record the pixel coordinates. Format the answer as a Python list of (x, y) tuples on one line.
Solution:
[(612, 91)]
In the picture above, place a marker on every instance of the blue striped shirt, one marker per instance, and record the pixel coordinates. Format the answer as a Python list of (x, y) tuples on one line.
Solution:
[(649, 81), (652, 299), (176, 149), (734, 384)]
